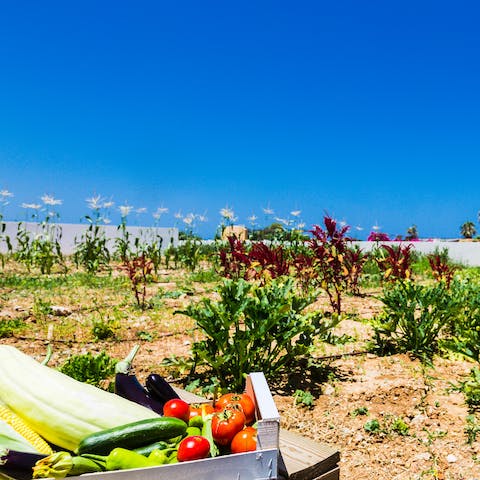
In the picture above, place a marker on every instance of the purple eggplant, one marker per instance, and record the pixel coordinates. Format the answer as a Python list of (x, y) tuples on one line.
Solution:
[(18, 465), (128, 386), (159, 388)]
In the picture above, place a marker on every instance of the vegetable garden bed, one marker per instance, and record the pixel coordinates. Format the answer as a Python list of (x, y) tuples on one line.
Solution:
[(358, 407)]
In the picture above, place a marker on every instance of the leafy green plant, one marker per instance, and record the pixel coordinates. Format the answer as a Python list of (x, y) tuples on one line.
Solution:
[(253, 328), (8, 328), (179, 365), (471, 389), (413, 317), (372, 426), (391, 424), (464, 329), (303, 398), (23, 252), (103, 329), (359, 411), (143, 335), (151, 247), (204, 276), (41, 308), (169, 293), (88, 368), (399, 426), (433, 435), (472, 428)]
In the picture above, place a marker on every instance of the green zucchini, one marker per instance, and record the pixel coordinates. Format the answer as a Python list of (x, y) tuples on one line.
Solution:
[(132, 435), (148, 449)]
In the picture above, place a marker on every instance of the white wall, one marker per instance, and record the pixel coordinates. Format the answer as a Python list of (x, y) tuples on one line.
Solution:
[(467, 253), (70, 231)]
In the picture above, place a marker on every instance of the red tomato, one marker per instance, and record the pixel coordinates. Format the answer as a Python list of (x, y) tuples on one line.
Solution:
[(177, 408), (243, 399), (225, 424), (244, 441), (194, 447), (196, 409)]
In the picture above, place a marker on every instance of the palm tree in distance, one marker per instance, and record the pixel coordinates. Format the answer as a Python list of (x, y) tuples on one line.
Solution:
[(412, 233), (468, 230)]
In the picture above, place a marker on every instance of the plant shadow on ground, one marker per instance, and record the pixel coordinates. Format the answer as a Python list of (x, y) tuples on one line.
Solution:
[(306, 375)]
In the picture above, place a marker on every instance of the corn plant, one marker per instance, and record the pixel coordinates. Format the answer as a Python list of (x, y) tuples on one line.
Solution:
[(91, 250), (122, 241), (42, 250), (171, 257), (4, 240), (23, 252), (413, 318), (253, 328), (152, 249), (189, 253)]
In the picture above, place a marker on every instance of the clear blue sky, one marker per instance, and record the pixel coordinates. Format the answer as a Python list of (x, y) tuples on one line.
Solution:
[(367, 110)]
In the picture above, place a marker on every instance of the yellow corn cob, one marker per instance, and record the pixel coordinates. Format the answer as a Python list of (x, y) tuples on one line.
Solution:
[(24, 430)]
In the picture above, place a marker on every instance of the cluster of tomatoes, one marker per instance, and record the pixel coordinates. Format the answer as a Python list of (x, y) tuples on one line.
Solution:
[(231, 425)]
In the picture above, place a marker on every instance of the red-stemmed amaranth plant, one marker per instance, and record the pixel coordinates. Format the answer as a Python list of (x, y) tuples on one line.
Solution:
[(268, 261), (378, 237), (139, 269), (442, 269), (234, 259), (355, 260), (397, 263), (261, 261), (329, 246)]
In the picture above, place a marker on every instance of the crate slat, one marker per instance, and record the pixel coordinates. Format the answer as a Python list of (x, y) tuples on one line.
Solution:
[(306, 459)]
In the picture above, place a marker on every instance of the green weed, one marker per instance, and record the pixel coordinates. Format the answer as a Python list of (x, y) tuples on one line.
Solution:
[(9, 328), (303, 398), (88, 368)]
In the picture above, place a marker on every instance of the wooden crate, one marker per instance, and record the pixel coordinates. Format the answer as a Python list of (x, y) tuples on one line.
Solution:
[(304, 459), (280, 454)]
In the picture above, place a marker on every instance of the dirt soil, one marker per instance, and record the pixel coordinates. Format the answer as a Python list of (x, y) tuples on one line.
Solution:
[(421, 419)]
